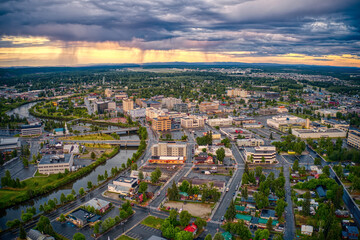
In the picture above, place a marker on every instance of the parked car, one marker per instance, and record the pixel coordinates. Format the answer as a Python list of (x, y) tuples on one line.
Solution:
[(222, 218)]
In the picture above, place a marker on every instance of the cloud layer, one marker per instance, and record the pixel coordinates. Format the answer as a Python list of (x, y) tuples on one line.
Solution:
[(261, 27)]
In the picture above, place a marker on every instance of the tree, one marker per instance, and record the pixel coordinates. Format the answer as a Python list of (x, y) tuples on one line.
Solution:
[(261, 200), (269, 225), (296, 165), (93, 156), (62, 218), (326, 170), (106, 174), (143, 187), (173, 217), (22, 232), (230, 212), (44, 225), (220, 154), (280, 207), (141, 175), (306, 204), (81, 191), (155, 175), (200, 223), (317, 161), (89, 185), (262, 234), (244, 192), (73, 192), (173, 192), (185, 218), (63, 198), (184, 187), (25, 162), (184, 235), (208, 237), (218, 236), (79, 236), (271, 136), (258, 171), (226, 142), (97, 227)]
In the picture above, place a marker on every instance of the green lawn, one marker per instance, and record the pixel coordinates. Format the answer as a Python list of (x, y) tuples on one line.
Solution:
[(90, 137), (124, 237), (153, 222)]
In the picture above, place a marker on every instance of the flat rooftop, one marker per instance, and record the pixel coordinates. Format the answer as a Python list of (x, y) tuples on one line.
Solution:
[(53, 159), (320, 130)]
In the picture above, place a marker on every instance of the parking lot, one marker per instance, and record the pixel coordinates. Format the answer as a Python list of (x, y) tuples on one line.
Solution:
[(143, 232)]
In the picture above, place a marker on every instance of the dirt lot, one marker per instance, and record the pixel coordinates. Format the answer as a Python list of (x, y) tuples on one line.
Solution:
[(202, 210)]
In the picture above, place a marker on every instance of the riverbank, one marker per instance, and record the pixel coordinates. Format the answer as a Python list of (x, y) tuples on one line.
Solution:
[(40, 185)]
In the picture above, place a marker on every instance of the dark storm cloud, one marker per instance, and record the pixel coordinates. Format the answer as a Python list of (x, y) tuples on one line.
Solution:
[(265, 27)]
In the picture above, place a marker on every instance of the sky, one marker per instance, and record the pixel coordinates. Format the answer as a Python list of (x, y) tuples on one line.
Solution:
[(87, 32)]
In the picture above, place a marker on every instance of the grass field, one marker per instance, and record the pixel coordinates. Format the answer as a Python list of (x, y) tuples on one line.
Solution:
[(153, 222), (124, 237), (90, 137)]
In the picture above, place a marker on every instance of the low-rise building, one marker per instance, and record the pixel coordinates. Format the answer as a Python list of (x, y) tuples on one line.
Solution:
[(180, 107), (319, 133), (192, 122), (220, 122), (98, 204), (251, 142), (170, 102), (233, 133), (327, 112), (342, 125), (9, 144), (80, 217), (284, 122), (123, 185), (260, 154), (252, 125), (137, 113), (167, 160), (208, 106), (31, 130), (237, 92), (243, 120), (37, 235), (307, 229), (354, 139), (50, 164)]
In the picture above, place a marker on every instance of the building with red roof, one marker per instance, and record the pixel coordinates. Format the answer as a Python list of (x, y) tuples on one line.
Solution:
[(191, 228)]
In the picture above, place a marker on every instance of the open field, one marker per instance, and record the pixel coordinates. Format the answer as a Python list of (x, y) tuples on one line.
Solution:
[(153, 222), (202, 210), (89, 137)]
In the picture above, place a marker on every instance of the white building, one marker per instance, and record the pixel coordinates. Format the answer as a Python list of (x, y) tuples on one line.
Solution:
[(307, 229), (260, 154), (170, 102), (354, 139), (137, 113), (168, 149), (237, 92), (50, 164), (220, 122), (192, 122), (252, 142), (283, 122), (123, 185), (319, 133), (152, 113)]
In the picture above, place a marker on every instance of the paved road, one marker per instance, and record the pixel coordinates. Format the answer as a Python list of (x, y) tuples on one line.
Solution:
[(290, 229), (233, 187)]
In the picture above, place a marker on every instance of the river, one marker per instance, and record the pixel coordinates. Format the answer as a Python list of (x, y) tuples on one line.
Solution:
[(15, 211)]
